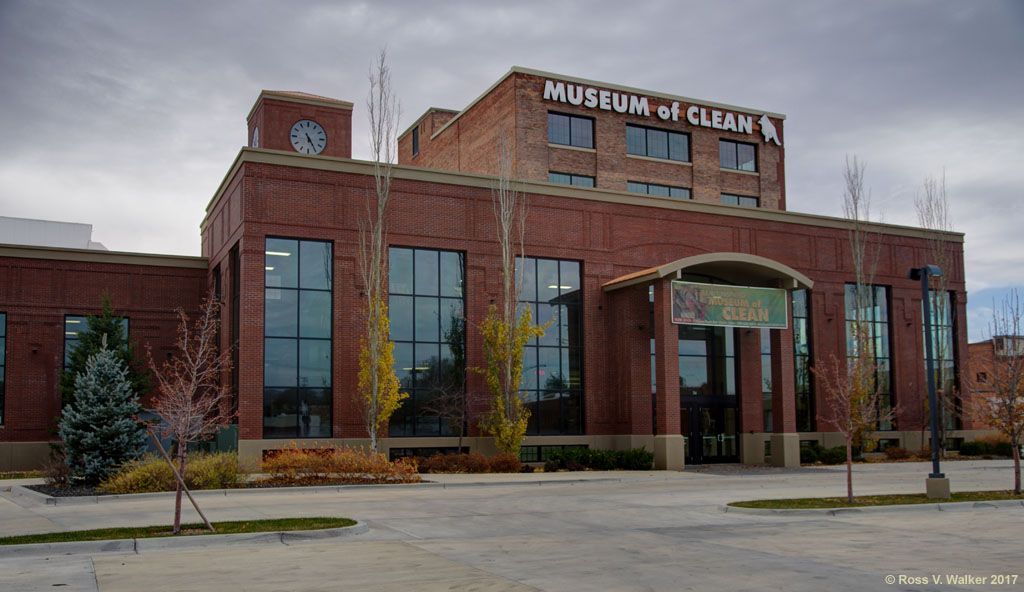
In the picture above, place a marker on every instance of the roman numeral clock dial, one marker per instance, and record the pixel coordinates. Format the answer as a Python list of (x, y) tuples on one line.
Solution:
[(308, 137)]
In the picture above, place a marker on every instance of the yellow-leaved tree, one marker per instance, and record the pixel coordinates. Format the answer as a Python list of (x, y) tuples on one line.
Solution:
[(506, 330), (504, 343), (378, 385)]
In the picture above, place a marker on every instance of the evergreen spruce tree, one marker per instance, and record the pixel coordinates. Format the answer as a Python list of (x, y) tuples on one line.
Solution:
[(89, 342), (99, 428)]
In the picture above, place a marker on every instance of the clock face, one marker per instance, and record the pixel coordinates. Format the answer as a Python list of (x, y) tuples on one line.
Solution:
[(308, 137), (255, 137)]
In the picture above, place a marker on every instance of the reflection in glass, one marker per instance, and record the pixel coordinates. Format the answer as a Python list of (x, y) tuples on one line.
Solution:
[(297, 338), (427, 326), (552, 377)]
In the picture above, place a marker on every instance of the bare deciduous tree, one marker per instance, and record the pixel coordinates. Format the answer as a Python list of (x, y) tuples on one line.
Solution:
[(852, 397), (932, 207), (851, 386), (378, 385), (1003, 407), (191, 401)]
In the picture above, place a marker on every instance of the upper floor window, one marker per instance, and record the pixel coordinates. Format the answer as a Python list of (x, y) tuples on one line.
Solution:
[(570, 179), (415, 140), (569, 130), (730, 199), (658, 190), (656, 143), (737, 156)]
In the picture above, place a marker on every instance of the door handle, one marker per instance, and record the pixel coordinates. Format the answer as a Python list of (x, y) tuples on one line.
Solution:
[(721, 437)]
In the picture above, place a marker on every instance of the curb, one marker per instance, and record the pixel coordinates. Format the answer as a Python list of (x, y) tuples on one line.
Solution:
[(44, 499), (138, 546), (929, 507)]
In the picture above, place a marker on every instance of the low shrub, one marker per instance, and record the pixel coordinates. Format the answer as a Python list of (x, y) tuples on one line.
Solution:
[(151, 473), (810, 453), (833, 456), (580, 459), (56, 472), (330, 466), (897, 453), (505, 463), (469, 463), (987, 446)]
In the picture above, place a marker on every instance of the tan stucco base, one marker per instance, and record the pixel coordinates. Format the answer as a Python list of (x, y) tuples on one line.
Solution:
[(786, 450), (752, 448), (910, 439), (937, 488), (669, 452), (23, 456), (251, 451)]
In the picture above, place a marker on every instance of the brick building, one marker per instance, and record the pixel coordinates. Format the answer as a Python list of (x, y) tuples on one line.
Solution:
[(685, 303)]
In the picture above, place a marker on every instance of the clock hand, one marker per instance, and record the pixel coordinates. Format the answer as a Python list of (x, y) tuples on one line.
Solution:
[(310, 140)]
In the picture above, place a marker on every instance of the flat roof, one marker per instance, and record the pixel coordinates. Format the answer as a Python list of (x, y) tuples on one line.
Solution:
[(294, 96), (363, 167), (97, 256)]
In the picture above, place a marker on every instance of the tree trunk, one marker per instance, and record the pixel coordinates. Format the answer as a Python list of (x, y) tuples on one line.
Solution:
[(177, 488), (1016, 468), (849, 471)]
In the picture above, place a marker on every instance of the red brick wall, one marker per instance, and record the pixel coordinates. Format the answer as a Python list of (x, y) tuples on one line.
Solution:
[(275, 118), (611, 239), (468, 145), (37, 293)]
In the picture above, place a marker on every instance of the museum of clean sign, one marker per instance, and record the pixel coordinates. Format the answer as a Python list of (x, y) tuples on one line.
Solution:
[(728, 306)]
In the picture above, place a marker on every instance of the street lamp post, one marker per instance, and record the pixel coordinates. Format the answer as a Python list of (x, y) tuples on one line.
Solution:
[(937, 484)]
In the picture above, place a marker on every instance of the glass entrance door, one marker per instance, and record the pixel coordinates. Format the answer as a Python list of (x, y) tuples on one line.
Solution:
[(718, 435), (708, 394)]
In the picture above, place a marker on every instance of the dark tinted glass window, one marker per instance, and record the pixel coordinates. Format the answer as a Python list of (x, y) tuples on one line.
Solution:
[(552, 380), (415, 141), (569, 179), (297, 343), (569, 130), (867, 325), (802, 361), (739, 200), (658, 190), (656, 143), (75, 324), (426, 311), (944, 357), (737, 156)]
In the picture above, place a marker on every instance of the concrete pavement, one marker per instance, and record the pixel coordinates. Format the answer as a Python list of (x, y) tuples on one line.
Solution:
[(620, 531)]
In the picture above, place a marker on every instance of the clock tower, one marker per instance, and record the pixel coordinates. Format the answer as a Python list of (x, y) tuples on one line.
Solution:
[(301, 122)]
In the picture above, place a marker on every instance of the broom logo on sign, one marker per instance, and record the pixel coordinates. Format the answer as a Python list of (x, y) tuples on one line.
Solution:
[(768, 130)]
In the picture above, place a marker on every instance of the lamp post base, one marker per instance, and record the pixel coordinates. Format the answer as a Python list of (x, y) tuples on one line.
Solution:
[(937, 488)]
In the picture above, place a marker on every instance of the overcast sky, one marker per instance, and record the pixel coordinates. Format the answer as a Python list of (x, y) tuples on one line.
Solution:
[(126, 115)]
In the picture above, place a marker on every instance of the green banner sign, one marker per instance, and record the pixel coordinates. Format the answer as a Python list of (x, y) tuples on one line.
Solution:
[(728, 306)]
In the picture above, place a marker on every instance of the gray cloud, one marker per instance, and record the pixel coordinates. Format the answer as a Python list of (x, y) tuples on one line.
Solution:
[(127, 114)]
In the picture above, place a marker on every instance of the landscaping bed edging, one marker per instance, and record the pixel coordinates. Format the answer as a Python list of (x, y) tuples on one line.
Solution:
[(141, 545), (925, 507)]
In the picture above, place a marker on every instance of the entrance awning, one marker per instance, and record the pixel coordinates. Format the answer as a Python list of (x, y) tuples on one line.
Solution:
[(738, 268)]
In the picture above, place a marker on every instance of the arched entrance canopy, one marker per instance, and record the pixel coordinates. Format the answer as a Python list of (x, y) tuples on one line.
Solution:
[(739, 268)]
